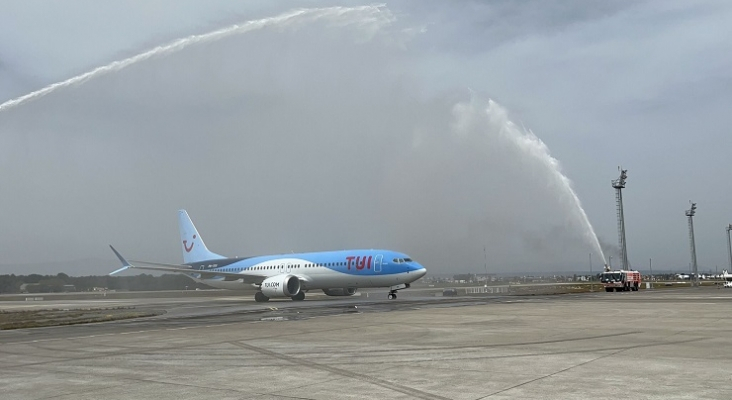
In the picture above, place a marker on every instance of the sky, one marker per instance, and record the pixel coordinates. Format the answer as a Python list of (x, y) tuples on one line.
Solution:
[(457, 132)]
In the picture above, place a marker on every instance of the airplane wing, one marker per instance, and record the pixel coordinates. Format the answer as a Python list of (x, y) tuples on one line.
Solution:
[(185, 269)]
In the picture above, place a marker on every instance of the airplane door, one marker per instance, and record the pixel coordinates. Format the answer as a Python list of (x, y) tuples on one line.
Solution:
[(377, 262), (287, 267)]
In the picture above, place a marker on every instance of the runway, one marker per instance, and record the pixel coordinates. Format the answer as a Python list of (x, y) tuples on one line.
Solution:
[(656, 344)]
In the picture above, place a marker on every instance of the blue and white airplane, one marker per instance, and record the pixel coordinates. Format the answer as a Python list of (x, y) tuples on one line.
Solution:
[(336, 273)]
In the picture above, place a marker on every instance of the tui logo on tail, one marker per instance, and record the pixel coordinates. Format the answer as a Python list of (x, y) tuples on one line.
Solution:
[(185, 245)]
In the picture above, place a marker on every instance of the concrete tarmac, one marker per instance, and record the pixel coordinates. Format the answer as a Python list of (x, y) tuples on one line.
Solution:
[(655, 344)]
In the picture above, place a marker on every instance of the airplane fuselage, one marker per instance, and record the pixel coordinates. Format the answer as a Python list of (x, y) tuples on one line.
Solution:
[(317, 270)]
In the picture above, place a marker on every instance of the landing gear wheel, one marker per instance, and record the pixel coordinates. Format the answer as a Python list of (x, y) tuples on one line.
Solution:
[(391, 296), (259, 297), (298, 297)]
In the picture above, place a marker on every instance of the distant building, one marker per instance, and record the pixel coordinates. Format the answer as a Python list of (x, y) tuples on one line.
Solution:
[(24, 287)]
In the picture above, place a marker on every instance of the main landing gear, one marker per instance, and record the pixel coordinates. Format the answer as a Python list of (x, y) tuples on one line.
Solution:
[(393, 290), (298, 297)]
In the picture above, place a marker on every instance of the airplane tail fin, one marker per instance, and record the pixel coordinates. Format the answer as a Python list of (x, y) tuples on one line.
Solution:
[(194, 250)]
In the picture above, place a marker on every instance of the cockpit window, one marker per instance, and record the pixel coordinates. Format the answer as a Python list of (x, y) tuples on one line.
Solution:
[(407, 260)]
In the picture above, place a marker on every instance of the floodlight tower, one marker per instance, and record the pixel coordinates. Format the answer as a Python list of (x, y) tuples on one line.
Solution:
[(619, 185), (729, 248), (690, 214)]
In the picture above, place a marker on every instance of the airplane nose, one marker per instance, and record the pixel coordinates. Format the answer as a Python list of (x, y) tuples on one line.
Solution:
[(421, 272)]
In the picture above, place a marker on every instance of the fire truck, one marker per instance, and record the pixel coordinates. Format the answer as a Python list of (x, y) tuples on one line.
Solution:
[(620, 281)]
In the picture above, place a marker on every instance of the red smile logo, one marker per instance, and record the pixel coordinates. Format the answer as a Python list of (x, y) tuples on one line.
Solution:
[(185, 245)]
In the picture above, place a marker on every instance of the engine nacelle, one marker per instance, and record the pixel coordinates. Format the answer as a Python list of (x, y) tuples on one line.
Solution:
[(340, 291), (281, 286)]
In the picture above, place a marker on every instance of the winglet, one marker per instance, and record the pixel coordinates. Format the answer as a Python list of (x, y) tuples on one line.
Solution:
[(125, 264)]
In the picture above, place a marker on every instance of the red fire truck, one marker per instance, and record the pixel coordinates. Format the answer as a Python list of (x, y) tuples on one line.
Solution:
[(620, 280)]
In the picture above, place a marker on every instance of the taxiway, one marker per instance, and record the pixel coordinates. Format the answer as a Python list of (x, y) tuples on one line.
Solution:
[(656, 344)]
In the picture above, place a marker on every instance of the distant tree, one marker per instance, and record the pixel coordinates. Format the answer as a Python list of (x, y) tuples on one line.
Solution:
[(55, 283), (33, 278), (10, 284), (52, 285)]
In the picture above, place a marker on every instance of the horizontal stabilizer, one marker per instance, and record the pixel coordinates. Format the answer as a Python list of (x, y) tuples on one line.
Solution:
[(125, 264), (117, 271)]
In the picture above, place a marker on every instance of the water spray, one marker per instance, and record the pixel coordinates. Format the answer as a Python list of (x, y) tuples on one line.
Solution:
[(378, 17), (529, 143)]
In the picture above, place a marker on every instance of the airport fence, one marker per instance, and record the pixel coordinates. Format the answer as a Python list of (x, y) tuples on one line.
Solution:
[(486, 290), (524, 289)]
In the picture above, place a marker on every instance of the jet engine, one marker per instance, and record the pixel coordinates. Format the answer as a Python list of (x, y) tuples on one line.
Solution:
[(281, 286), (340, 291)]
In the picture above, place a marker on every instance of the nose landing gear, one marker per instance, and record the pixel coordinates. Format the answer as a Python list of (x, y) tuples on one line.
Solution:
[(393, 290)]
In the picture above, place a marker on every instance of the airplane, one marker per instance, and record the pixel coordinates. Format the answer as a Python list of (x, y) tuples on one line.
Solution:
[(727, 278), (336, 273)]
